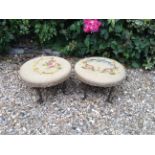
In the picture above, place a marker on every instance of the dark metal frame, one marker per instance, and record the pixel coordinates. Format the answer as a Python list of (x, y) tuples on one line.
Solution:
[(85, 88), (41, 90), (109, 97), (41, 99)]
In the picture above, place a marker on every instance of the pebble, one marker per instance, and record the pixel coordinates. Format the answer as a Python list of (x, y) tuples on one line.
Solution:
[(16, 51), (2, 120), (21, 51), (51, 52)]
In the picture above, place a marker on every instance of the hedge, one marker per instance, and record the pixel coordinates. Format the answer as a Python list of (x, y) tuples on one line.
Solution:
[(132, 42)]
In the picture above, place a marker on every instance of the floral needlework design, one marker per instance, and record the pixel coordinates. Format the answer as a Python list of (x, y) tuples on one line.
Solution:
[(100, 65), (46, 65)]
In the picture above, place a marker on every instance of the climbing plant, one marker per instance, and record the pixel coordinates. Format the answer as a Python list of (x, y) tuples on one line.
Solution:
[(132, 42)]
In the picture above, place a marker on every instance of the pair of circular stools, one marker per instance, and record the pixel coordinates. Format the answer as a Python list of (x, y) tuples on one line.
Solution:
[(46, 71)]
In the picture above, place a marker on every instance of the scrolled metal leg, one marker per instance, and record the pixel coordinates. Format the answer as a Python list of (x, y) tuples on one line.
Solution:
[(85, 88), (127, 78), (40, 100), (110, 96), (64, 86)]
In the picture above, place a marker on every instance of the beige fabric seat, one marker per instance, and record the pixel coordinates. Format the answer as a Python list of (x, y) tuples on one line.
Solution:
[(45, 71), (100, 71)]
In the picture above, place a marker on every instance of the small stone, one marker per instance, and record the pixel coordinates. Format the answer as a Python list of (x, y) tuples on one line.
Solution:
[(93, 110), (91, 121), (16, 51), (47, 51), (140, 123), (2, 120), (24, 129), (50, 52), (34, 98), (76, 129), (56, 53), (11, 131), (23, 114)]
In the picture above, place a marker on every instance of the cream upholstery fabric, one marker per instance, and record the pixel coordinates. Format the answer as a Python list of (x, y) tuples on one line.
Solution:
[(100, 71), (45, 71)]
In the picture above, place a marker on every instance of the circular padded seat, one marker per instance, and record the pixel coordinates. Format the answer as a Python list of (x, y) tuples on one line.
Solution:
[(100, 71), (45, 71)]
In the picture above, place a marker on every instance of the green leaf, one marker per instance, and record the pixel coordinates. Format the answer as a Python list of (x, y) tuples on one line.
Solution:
[(111, 22), (139, 22), (103, 46), (87, 41), (105, 34), (118, 28), (135, 64)]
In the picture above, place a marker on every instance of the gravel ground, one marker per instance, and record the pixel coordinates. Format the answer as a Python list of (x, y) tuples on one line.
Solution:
[(132, 110)]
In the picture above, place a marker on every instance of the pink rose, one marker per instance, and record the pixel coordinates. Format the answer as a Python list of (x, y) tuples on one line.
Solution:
[(91, 25), (86, 29)]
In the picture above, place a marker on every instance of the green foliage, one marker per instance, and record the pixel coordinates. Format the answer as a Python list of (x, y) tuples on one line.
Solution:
[(132, 42), (11, 30), (45, 31)]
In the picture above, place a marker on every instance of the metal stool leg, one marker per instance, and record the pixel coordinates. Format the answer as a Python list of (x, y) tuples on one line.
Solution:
[(110, 96), (85, 88), (64, 86), (40, 100)]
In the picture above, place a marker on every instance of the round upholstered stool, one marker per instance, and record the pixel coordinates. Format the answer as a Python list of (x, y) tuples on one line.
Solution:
[(100, 71), (45, 71)]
